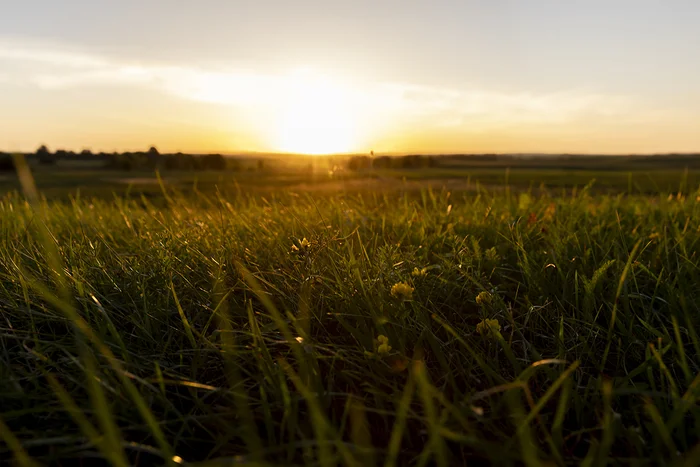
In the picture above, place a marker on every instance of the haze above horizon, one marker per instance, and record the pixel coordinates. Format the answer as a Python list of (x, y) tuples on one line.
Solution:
[(321, 77)]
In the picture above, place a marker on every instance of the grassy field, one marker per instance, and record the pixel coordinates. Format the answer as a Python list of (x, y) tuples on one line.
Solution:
[(483, 323), (66, 183)]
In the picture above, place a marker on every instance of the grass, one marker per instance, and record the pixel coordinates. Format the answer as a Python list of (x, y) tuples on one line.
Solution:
[(207, 331)]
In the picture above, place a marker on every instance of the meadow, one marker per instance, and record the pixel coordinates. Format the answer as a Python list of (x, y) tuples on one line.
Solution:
[(506, 318)]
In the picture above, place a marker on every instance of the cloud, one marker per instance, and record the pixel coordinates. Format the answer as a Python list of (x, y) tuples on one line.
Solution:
[(458, 107), (34, 52), (54, 68)]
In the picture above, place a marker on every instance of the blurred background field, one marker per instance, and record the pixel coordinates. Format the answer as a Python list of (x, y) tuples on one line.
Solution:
[(255, 174)]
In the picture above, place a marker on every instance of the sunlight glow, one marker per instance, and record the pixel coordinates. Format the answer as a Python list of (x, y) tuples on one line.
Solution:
[(182, 107), (316, 116)]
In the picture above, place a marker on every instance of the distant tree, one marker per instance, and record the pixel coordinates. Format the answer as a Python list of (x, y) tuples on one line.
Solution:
[(261, 165), (44, 155), (151, 159), (213, 162), (86, 152)]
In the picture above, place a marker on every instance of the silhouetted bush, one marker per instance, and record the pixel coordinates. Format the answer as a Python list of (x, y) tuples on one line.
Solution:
[(213, 162)]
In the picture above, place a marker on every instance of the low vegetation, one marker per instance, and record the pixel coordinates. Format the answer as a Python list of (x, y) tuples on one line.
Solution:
[(364, 328)]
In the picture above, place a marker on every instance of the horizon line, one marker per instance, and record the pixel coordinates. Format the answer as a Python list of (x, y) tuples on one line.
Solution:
[(380, 154)]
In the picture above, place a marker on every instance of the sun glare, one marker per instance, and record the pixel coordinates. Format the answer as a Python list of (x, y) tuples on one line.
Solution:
[(316, 116)]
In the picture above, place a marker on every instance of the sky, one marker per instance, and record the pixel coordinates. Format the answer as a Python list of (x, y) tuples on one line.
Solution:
[(325, 76)]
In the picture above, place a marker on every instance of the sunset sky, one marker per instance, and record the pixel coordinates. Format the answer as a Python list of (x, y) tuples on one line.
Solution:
[(325, 76)]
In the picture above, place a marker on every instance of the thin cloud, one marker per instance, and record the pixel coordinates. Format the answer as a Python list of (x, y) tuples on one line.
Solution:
[(59, 68), (14, 49), (473, 104)]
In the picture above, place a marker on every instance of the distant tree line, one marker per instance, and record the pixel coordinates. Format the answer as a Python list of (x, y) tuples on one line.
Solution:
[(148, 160), (389, 162), (178, 161)]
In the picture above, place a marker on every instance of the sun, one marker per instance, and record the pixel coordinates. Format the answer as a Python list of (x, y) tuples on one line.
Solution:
[(316, 116)]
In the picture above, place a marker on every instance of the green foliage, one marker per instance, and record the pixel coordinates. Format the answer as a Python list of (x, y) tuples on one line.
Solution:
[(246, 330)]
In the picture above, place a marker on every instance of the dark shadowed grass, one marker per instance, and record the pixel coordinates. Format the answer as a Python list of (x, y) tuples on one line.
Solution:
[(211, 330)]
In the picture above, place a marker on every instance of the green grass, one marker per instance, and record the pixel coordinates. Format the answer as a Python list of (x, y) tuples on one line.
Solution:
[(136, 334)]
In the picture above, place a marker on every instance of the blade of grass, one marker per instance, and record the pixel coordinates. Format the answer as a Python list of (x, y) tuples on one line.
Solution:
[(21, 456)]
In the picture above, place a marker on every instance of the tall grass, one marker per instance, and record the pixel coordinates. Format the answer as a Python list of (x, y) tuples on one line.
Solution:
[(209, 330)]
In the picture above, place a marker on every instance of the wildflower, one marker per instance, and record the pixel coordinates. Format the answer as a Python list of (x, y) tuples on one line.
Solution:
[(402, 291), (383, 346), (532, 219), (524, 201), (484, 298), (399, 363), (303, 245), (550, 211), (491, 254), (488, 327), (419, 272)]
